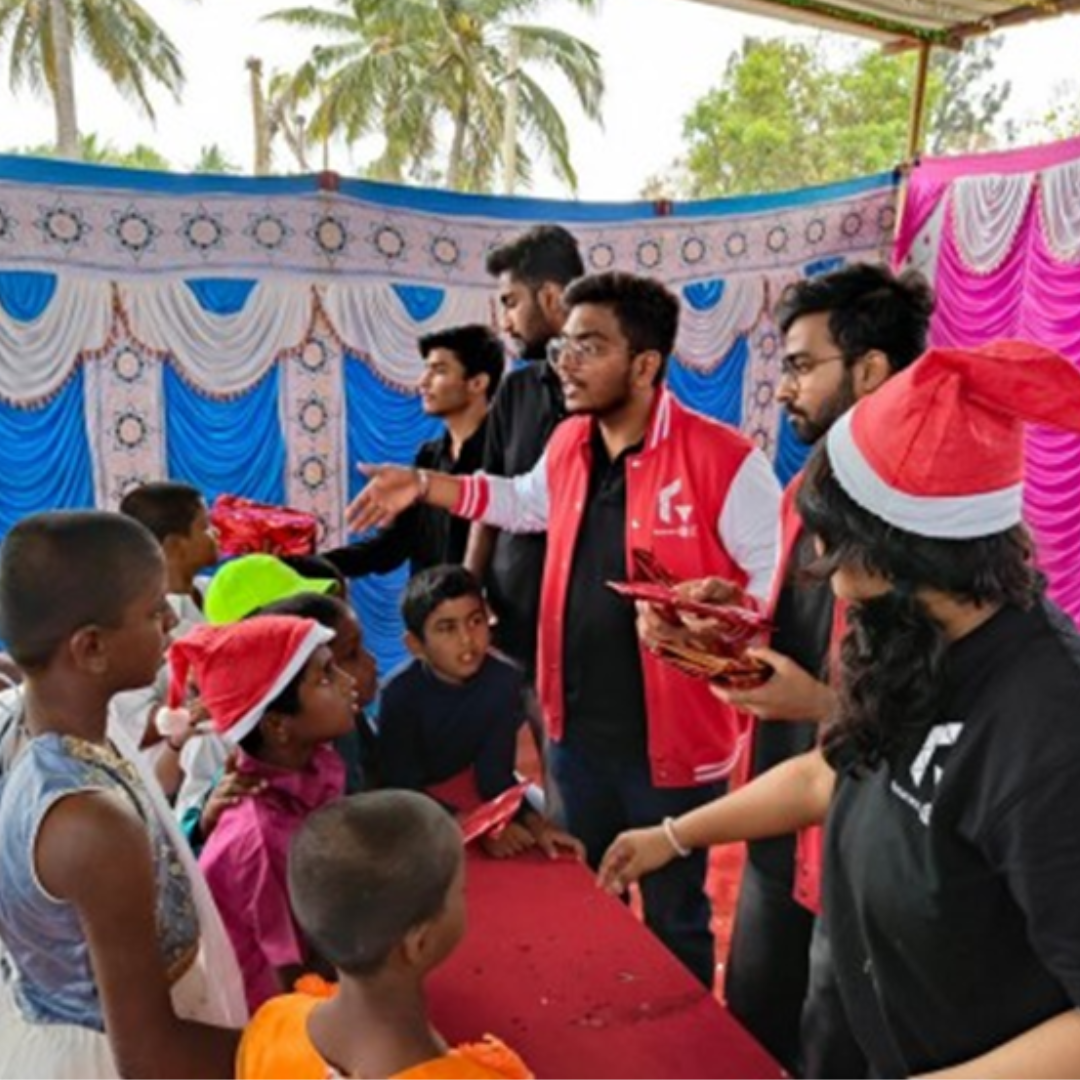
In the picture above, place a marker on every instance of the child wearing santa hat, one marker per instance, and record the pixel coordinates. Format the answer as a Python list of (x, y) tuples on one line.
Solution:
[(949, 779), (273, 690)]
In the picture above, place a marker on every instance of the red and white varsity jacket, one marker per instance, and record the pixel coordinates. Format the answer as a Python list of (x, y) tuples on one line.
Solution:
[(704, 500)]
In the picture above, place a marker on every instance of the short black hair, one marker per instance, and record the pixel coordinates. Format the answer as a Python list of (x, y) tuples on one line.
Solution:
[(63, 570), (478, 349), (869, 307), (325, 609), (166, 507), (647, 310), (432, 587), (364, 870), (543, 253)]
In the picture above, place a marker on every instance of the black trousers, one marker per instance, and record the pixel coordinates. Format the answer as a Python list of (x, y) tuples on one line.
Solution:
[(779, 983)]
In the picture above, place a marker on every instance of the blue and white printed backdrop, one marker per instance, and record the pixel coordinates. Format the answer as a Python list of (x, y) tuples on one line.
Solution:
[(259, 336)]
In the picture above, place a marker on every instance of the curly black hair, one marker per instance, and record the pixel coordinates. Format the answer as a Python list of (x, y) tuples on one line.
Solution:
[(893, 657)]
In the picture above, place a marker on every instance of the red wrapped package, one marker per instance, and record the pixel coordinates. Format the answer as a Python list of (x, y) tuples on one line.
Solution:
[(246, 527), (718, 653)]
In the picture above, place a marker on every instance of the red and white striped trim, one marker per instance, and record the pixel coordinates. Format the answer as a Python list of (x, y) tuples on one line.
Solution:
[(941, 517), (661, 426), (316, 636), (718, 770), (474, 498)]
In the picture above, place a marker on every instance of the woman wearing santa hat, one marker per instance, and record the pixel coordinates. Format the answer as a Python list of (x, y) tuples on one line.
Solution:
[(949, 779)]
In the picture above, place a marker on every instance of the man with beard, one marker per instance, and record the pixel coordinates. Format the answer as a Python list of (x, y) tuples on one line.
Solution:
[(631, 739), (531, 272), (845, 334), (462, 370)]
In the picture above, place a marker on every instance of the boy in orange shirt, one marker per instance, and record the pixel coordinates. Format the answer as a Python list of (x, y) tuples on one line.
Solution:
[(377, 884)]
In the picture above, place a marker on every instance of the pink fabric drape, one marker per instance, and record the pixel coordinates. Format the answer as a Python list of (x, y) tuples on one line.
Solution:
[(1031, 294)]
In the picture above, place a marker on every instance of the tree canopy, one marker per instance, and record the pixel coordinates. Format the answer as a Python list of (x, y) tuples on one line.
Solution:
[(437, 78), (787, 115)]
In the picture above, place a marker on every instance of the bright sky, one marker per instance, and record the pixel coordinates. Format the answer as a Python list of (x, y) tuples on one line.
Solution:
[(659, 56)]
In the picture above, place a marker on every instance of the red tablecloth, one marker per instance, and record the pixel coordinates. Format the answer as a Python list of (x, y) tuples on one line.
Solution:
[(571, 980)]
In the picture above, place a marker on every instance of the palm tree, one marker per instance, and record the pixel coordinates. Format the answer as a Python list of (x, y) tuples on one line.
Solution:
[(410, 68), (120, 37)]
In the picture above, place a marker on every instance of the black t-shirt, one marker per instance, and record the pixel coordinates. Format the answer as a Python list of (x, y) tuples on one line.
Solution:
[(431, 730), (423, 534), (527, 408), (952, 875), (603, 682), (803, 621)]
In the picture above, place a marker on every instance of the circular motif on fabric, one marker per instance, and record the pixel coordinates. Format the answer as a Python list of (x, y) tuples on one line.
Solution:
[(331, 235), (886, 219), (767, 344), (202, 231), (776, 240), (313, 472), (314, 355), (389, 242), (130, 430), (601, 256), (693, 250), (7, 225), (649, 254), (852, 224), (444, 250), (815, 230), (762, 438), (735, 245), (134, 231), (267, 231), (763, 394), (313, 415), (64, 226), (127, 365)]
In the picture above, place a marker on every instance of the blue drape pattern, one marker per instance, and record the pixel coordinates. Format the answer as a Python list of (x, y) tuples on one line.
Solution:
[(232, 446), (383, 425), (47, 464), (25, 294), (717, 393), (791, 452)]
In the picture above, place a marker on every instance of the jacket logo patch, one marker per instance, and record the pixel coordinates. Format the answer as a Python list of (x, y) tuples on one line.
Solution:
[(672, 513)]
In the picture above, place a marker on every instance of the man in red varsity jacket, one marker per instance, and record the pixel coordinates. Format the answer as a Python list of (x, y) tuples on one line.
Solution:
[(845, 333), (631, 739)]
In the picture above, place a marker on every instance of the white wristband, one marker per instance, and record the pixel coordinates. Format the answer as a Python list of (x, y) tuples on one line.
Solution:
[(423, 481), (668, 825)]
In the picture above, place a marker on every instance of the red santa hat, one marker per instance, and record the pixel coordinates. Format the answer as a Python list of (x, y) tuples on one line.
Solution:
[(938, 451), (241, 668)]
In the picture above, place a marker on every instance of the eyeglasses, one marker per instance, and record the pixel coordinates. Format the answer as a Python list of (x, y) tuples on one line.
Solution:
[(797, 366), (580, 350)]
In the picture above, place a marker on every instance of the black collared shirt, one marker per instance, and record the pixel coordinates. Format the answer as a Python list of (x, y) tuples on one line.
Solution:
[(424, 535), (602, 677), (803, 621), (527, 408)]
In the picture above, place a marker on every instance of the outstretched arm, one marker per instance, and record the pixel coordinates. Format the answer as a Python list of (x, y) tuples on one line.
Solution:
[(790, 796), (518, 504)]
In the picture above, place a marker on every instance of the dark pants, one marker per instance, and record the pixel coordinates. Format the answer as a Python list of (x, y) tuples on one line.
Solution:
[(600, 798), (779, 983)]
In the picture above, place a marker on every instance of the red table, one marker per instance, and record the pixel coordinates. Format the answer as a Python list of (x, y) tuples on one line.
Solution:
[(570, 978)]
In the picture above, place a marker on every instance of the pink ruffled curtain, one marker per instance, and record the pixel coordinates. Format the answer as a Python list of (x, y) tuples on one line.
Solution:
[(1006, 232)]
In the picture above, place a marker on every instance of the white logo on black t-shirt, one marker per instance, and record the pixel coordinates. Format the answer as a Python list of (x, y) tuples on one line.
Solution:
[(926, 769)]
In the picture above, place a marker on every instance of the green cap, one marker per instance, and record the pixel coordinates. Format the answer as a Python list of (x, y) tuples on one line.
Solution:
[(252, 581)]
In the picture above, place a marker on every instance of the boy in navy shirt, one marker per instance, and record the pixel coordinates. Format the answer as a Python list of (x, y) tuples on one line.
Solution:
[(456, 708)]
